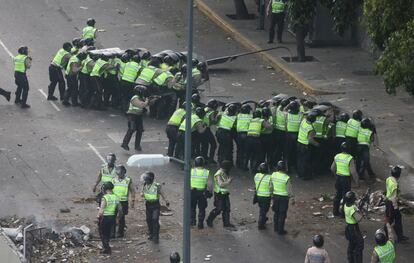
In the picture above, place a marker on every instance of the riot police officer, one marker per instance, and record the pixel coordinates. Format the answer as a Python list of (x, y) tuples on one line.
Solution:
[(56, 66), (282, 191), (22, 62), (293, 120), (266, 137), (306, 136), (340, 128), (242, 126), (263, 188), (351, 132), (208, 141), (172, 129), (384, 250), (352, 231), (224, 134), (197, 128), (106, 174), (365, 138)]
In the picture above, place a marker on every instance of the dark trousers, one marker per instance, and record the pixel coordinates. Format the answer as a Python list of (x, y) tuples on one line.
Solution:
[(355, 243), (280, 208), (352, 145), (363, 161), (255, 153), (72, 91), (290, 149), (152, 213), (264, 206), (172, 135), (135, 124), (110, 92), (122, 224), (198, 199), (280, 138), (85, 91), (279, 20), (342, 186), (56, 77), (225, 149), (208, 144), (319, 156), (106, 225), (97, 91), (127, 91), (304, 161), (394, 216), (22, 84), (242, 150), (3, 92), (267, 147), (221, 205)]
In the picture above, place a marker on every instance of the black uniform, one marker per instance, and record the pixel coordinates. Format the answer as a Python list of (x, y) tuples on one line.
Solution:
[(152, 213), (22, 90), (198, 199), (221, 202), (56, 77), (279, 20)]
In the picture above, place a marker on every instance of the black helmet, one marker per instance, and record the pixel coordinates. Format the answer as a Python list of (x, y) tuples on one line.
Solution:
[(293, 107), (148, 177), (125, 57), (76, 42), (366, 123), (357, 115), (200, 112), (183, 69), (136, 58), (90, 22), (245, 109), (213, 104), (120, 169), (311, 117), (266, 113), (226, 165), (175, 258), (107, 186), (309, 104), (281, 166), (231, 110), (380, 237), (195, 98), (344, 117), (284, 103), (396, 171), (171, 59), (318, 240), (81, 56), (146, 55), (110, 158), (199, 161), (261, 103), (257, 114), (183, 105), (67, 46), (141, 91), (89, 42), (23, 50), (195, 62), (350, 198), (344, 147), (202, 66), (262, 168)]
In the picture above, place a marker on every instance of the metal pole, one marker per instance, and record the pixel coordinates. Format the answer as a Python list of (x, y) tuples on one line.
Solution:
[(187, 143)]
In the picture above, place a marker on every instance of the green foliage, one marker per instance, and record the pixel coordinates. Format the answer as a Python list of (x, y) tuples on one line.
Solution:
[(344, 13), (301, 12), (396, 64)]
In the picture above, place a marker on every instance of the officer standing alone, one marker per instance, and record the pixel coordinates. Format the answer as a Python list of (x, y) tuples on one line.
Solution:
[(22, 62), (276, 9)]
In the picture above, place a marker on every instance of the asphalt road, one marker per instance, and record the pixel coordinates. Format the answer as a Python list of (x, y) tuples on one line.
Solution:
[(50, 154)]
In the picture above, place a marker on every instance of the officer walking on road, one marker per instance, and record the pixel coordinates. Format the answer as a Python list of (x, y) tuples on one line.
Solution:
[(106, 174), (276, 8), (124, 190), (22, 62), (352, 231), (384, 251), (316, 253), (222, 180), (201, 189), (263, 188), (151, 192), (59, 62), (282, 191)]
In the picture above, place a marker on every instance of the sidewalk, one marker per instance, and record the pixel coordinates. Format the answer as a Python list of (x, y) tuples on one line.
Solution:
[(342, 75)]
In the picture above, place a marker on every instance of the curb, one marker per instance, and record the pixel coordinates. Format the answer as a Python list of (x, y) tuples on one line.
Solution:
[(247, 43)]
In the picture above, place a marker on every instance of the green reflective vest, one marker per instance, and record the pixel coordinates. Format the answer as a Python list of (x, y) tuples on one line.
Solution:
[(340, 128), (199, 178), (304, 130), (96, 70), (88, 32), (85, 69), (133, 109), (131, 71), (147, 74), (226, 122), (165, 67), (111, 203), (144, 62), (349, 214), (243, 121), (267, 130), (59, 56), (319, 126), (386, 253), (194, 121), (121, 188), (151, 192), (207, 117), (20, 63), (342, 161), (106, 175), (74, 50), (364, 136), (121, 67), (277, 6), (162, 78), (217, 188), (280, 181), (177, 117), (73, 59), (262, 183), (391, 185), (280, 119), (255, 127), (352, 128), (112, 71), (293, 122)]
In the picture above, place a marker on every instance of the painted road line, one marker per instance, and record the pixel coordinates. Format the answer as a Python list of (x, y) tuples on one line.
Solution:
[(51, 102), (96, 152), (6, 49)]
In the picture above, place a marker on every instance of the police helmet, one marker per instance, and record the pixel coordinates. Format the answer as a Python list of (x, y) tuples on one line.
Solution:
[(107, 186), (281, 165), (81, 56), (245, 109), (396, 171), (318, 240), (366, 123), (199, 161), (231, 110), (202, 66), (266, 113), (195, 62), (344, 117), (171, 59), (380, 237), (67, 46), (350, 197), (262, 168), (146, 55), (110, 158), (90, 22), (200, 112), (175, 258), (125, 57), (357, 115), (311, 117), (309, 104), (293, 107), (284, 103), (257, 114), (136, 58), (344, 147), (142, 91), (183, 105), (120, 170), (89, 42), (23, 50), (195, 98), (148, 177), (213, 104), (76, 42)]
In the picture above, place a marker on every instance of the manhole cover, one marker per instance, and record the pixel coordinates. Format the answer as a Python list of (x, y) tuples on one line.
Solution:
[(295, 59), (363, 72)]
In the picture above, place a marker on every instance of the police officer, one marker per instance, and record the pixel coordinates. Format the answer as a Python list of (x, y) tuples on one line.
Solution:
[(340, 128), (172, 129), (22, 62), (279, 125), (316, 253), (365, 138), (222, 181), (320, 152), (107, 216), (89, 31), (124, 190), (85, 86), (282, 191), (384, 250), (392, 211), (129, 77), (58, 63), (224, 134), (352, 231), (99, 70), (276, 8), (197, 128), (106, 174), (208, 141), (164, 107), (110, 83), (242, 126), (266, 136), (201, 189), (293, 120), (263, 193), (71, 74), (344, 169), (351, 132), (5, 94), (151, 192), (180, 83), (175, 258), (306, 136)]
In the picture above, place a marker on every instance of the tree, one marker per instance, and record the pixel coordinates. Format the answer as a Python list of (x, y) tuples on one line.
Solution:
[(343, 12)]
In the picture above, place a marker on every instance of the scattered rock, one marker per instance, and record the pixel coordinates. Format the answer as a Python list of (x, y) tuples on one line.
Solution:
[(64, 210)]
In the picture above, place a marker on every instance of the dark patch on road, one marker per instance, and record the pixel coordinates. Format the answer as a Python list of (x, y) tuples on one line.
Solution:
[(64, 14)]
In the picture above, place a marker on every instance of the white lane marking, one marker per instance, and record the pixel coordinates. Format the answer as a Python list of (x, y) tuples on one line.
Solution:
[(51, 102), (6, 49), (96, 152)]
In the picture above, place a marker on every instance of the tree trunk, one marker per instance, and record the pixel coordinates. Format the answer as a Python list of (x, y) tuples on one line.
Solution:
[(241, 9), (300, 43)]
